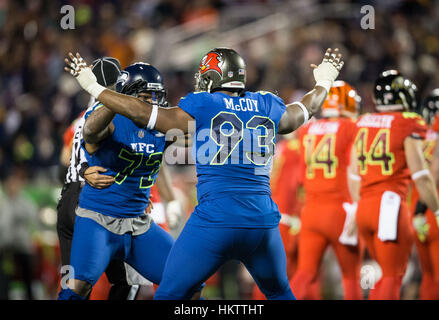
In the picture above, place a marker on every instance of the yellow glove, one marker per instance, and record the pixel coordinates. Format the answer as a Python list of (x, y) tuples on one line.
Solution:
[(421, 226)]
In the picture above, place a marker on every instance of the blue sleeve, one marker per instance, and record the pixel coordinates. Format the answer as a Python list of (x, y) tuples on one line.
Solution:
[(192, 103), (276, 106)]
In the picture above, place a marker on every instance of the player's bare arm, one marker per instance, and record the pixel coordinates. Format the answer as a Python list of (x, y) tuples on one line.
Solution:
[(354, 179), (420, 173), (164, 186), (98, 125), (142, 113), (325, 73)]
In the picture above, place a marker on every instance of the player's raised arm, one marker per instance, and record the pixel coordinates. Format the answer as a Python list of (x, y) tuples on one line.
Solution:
[(299, 112), (142, 113)]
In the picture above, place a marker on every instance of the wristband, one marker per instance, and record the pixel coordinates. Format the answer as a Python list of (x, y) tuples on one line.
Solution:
[(305, 111), (87, 80), (84, 166), (327, 84), (420, 173), (153, 117), (354, 177)]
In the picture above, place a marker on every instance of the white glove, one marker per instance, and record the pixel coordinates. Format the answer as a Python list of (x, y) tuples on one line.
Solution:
[(85, 76), (293, 222), (174, 212), (327, 71)]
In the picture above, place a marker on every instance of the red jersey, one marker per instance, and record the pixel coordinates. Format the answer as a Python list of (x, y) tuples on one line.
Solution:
[(70, 132), (380, 150), (427, 148), (325, 148), (287, 176)]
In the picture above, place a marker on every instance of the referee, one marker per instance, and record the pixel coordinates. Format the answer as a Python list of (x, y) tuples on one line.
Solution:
[(75, 172)]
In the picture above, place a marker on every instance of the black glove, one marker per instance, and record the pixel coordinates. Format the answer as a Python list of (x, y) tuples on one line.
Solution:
[(421, 208)]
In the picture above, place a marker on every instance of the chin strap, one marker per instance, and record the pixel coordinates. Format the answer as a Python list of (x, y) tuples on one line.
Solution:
[(209, 86)]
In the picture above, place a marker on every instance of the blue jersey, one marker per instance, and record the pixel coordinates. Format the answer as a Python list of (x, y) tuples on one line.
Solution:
[(133, 156), (233, 149)]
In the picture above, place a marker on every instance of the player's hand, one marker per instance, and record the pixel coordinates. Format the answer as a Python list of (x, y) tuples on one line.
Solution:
[(351, 222), (150, 206), (97, 180), (77, 67), (295, 225), (352, 228), (293, 222), (74, 65), (421, 226), (174, 212), (327, 71)]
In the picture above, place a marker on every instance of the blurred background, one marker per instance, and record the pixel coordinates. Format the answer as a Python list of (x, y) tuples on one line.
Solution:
[(278, 39)]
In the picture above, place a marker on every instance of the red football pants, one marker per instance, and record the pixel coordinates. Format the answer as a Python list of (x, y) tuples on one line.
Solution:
[(322, 225), (392, 256)]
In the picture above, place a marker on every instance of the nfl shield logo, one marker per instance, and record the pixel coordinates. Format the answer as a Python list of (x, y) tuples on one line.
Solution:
[(141, 134), (230, 74)]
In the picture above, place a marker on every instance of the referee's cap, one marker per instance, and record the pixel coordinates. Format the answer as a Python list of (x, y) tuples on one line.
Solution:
[(106, 70)]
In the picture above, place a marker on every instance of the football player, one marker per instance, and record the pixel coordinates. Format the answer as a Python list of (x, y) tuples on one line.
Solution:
[(427, 232), (286, 190), (111, 223), (75, 172), (389, 152), (234, 143), (326, 148)]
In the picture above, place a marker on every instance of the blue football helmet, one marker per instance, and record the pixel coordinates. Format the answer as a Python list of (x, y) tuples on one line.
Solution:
[(142, 77)]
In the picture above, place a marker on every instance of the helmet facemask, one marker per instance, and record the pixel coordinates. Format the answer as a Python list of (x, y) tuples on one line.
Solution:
[(158, 95)]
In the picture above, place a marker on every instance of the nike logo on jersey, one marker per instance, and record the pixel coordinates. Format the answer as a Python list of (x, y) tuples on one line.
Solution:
[(244, 104), (142, 147)]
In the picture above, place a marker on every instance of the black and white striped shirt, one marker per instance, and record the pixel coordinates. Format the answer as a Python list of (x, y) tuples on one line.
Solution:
[(78, 155)]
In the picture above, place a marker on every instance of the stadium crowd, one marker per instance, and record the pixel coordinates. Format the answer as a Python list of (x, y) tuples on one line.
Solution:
[(39, 100)]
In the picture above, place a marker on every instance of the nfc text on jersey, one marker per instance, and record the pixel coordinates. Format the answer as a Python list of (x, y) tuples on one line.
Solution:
[(142, 147)]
